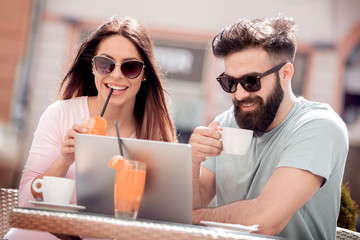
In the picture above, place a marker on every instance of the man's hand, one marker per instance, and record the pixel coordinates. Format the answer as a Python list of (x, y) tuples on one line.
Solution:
[(205, 141), (198, 215)]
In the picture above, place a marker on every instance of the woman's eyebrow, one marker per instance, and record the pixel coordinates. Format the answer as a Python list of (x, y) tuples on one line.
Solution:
[(107, 55), (125, 59), (131, 58)]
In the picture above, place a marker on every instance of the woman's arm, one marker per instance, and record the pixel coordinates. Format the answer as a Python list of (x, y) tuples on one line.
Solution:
[(51, 151)]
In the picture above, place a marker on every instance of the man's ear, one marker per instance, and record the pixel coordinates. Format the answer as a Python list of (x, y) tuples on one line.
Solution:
[(287, 71)]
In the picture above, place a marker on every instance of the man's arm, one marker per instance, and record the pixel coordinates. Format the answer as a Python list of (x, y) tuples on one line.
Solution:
[(207, 186), (287, 190), (205, 141)]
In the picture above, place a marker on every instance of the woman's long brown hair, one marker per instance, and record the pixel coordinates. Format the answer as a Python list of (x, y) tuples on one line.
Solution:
[(153, 121)]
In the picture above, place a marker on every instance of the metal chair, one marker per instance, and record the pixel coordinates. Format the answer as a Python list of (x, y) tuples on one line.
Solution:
[(8, 199), (344, 234)]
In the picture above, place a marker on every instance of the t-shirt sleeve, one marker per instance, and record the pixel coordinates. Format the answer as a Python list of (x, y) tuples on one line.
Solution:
[(210, 164), (44, 150), (316, 145)]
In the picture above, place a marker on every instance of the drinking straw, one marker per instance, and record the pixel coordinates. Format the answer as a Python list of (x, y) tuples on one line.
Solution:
[(106, 102), (119, 139)]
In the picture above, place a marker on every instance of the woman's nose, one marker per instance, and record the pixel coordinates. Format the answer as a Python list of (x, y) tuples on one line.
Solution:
[(117, 73)]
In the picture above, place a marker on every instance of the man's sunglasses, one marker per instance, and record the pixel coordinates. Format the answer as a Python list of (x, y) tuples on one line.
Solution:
[(130, 69), (250, 82)]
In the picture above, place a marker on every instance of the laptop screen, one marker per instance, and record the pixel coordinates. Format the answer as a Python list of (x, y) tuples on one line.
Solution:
[(168, 188)]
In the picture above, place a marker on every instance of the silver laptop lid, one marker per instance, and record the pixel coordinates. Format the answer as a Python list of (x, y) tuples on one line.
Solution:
[(168, 188)]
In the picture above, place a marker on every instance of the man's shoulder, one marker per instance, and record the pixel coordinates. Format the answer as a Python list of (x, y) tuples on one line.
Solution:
[(306, 105), (311, 110), (317, 117)]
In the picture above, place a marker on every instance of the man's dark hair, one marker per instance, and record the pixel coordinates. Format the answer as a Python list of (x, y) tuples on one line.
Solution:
[(274, 35)]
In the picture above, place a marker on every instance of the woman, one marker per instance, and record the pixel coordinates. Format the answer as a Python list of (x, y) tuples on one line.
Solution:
[(119, 56)]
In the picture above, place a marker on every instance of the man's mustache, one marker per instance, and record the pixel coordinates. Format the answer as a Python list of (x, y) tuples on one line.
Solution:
[(246, 100)]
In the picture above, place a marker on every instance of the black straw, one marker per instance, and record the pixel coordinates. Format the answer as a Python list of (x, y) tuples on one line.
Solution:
[(106, 102), (119, 139)]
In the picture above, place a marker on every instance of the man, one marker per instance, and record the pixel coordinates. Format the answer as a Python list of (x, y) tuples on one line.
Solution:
[(289, 181)]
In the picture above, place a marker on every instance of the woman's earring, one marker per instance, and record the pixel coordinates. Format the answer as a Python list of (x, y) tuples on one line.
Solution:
[(144, 79)]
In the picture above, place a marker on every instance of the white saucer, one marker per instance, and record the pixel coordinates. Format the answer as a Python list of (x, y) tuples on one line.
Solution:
[(57, 206), (237, 227)]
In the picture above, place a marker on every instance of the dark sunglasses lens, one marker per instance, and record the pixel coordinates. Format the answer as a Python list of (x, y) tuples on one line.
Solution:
[(104, 66), (250, 83), (131, 69), (227, 84)]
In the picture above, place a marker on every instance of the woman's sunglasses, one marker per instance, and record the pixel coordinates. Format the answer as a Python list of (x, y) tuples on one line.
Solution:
[(250, 82), (130, 69)]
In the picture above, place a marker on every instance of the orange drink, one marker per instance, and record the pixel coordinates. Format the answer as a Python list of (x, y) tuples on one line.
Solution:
[(96, 125), (129, 186)]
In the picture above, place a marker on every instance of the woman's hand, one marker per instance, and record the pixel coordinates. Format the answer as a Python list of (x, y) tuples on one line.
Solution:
[(68, 145)]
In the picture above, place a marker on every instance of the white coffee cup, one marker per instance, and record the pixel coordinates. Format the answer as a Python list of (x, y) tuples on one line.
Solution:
[(55, 189), (236, 141)]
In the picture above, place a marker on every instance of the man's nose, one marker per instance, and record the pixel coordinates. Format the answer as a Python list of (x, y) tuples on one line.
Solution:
[(240, 92)]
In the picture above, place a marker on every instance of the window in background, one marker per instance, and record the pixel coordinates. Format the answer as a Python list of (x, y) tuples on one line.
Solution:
[(183, 65), (298, 80), (351, 113)]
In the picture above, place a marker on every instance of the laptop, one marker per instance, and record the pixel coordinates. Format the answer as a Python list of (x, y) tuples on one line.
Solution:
[(168, 188)]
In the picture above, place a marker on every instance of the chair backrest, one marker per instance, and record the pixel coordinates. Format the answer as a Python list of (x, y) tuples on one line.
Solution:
[(344, 234), (8, 199)]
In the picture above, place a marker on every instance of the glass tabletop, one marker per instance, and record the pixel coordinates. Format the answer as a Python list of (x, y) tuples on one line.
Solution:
[(104, 226)]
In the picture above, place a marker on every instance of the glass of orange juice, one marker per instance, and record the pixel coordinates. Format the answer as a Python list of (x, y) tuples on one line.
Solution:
[(95, 125), (128, 187)]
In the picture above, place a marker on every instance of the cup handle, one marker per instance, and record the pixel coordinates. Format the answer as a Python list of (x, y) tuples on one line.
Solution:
[(221, 132), (35, 187)]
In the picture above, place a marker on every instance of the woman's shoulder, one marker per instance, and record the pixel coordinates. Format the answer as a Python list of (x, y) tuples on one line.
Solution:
[(62, 108), (64, 113), (68, 104), (72, 102)]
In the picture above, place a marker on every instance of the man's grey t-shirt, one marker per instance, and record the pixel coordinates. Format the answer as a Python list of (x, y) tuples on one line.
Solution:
[(313, 138)]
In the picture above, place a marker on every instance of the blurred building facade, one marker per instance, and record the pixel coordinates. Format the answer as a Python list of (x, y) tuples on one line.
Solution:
[(39, 38)]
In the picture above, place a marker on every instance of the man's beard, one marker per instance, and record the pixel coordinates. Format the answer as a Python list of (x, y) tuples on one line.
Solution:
[(260, 119)]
